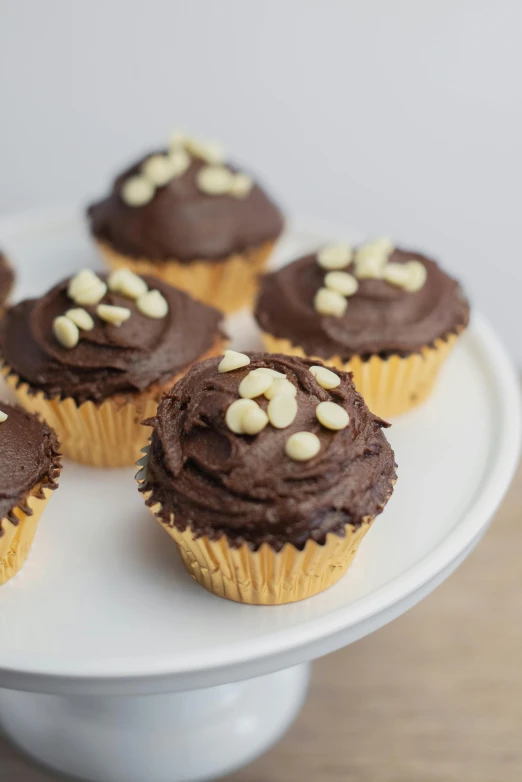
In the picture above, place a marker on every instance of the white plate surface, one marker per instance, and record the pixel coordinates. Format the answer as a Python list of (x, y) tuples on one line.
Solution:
[(104, 596)]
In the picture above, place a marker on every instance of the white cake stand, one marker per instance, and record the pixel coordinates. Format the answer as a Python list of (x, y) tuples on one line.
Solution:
[(116, 667)]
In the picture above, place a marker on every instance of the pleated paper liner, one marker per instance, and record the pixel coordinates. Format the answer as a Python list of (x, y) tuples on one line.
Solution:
[(17, 539), (389, 386), (228, 285), (105, 434), (265, 576)]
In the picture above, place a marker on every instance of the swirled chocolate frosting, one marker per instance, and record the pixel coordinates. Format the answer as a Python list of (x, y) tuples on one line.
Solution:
[(246, 487), (29, 455), (6, 279), (380, 318), (108, 359), (183, 223)]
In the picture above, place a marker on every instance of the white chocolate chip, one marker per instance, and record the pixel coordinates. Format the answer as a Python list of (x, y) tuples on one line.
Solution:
[(282, 411), (396, 274), (3, 416), (177, 139), (209, 151), (302, 446), (152, 304), (268, 371), (113, 315), (137, 191), (417, 274), (236, 412), (377, 248), (233, 360), (332, 416), (127, 283), (254, 420), (370, 267), (280, 387), (325, 377), (86, 288), (157, 169), (241, 185), (254, 385), (81, 318), (214, 180), (66, 332), (327, 302), (335, 256), (342, 282), (179, 162)]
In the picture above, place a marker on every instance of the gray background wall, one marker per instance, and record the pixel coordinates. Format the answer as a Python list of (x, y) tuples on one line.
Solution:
[(401, 117)]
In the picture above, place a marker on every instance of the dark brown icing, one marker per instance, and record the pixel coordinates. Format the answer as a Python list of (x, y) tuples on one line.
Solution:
[(219, 483), (107, 360), (380, 318), (183, 223), (29, 456), (6, 279)]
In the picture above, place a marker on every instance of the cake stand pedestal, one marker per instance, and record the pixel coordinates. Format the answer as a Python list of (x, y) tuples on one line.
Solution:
[(115, 666)]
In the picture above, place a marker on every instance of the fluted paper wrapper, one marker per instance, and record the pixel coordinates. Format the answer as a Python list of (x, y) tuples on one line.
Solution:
[(17, 539), (228, 285), (265, 576), (389, 386)]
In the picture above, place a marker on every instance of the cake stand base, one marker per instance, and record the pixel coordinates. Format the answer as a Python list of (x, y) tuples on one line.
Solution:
[(186, 736)]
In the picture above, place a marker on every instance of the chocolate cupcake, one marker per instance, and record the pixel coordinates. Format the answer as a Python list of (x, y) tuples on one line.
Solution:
[(388, 315), (94, 355), (29, 470), (187, 217), (267, 471), (6, 281)]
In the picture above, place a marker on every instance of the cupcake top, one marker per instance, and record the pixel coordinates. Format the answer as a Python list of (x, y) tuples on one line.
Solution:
[(376, 300), (92, 336), (306, 462), (186, 204), (6, 279), (29, 456)]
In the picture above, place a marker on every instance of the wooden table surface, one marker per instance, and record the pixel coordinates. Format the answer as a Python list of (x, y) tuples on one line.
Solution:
[(436, 696)]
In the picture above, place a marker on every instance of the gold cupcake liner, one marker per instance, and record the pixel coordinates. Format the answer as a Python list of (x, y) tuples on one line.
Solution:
[(228, 285), (265, 576), (389, 386), (17, 539), (105, 434)]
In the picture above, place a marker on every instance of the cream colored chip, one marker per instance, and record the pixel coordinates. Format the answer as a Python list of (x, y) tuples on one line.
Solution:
[(341, 282), (241, 185), (302, 446), (157, 169), (254, 421), (282, 411), (113, 315), (152, 304), (370, 268), (215, 180), (233, 360), (177, 139), (137, 191), (332, 416), (396, 274), (417, 275), (209, 151), (81, 318), (327, 302), (335, 256), (127, 283), (325, 377), (66, 332), (86, 288), (280, 387), (4, 417), (236, 412), (267, 371), (179, 162), (377, 248), (254, 385)]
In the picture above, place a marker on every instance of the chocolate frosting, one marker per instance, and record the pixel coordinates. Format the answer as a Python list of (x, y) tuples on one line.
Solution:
[(109, 359), (6, 279), (247, 488), (28, 455), (183, 223), (380, 318)]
